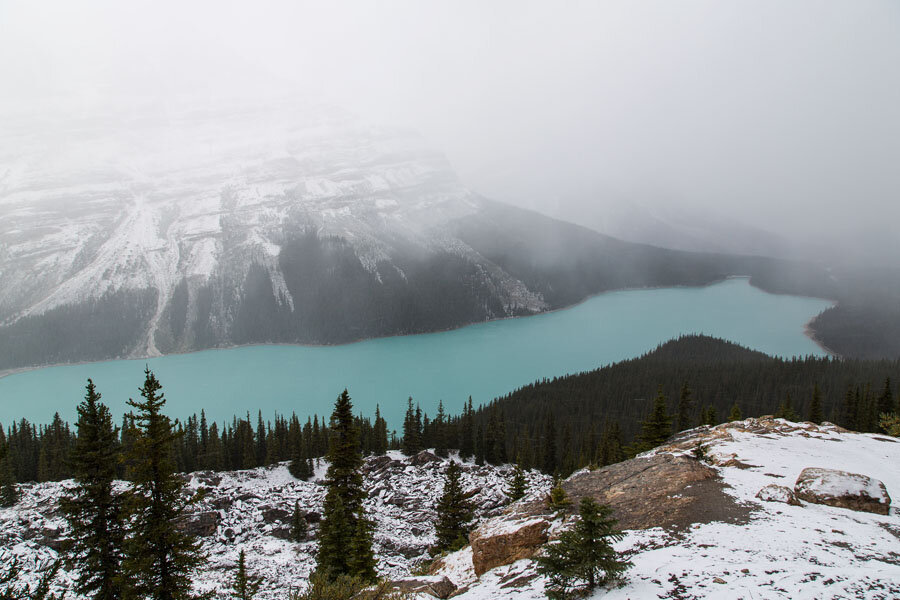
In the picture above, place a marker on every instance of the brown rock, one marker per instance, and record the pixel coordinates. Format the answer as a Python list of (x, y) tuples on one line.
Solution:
[(843, 489), (778, 493), (423, 457), (202, 524), (504, 540), (273, 514), (437, 586)]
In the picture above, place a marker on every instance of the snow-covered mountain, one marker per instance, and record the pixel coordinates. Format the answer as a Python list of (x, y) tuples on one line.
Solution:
[(168, 217), (177, 229)]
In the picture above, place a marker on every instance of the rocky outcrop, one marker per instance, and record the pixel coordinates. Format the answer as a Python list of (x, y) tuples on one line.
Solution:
[(437, 586), (778, 493), (504, 540), (202, 524), (843, 489)]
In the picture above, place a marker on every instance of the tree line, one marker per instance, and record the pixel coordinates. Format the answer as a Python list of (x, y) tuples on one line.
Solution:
[(555, 425)]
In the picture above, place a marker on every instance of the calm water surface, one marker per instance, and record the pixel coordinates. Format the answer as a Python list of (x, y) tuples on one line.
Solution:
[(484, 360)]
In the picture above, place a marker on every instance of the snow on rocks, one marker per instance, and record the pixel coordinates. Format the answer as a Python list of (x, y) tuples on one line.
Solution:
[(501, 541), (846, 490), (778, 493), (251, 511), (805, 551)]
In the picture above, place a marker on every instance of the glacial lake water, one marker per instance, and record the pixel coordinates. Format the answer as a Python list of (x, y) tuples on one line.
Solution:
[(483, 360)]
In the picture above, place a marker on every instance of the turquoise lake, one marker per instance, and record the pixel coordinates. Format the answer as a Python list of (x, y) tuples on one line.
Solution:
[(484, 360)]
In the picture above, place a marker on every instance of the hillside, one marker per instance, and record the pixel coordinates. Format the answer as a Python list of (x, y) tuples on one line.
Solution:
[(695, 529), (699, 530), (168, 231), (719, 375)]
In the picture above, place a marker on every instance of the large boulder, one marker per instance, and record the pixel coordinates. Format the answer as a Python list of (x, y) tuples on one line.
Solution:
[(202, 524), (433, 585), (842, 489), (778, 493), (504, 540)]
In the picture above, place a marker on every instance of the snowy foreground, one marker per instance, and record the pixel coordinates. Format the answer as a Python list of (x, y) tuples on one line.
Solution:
[(775, 550), (782, 551)]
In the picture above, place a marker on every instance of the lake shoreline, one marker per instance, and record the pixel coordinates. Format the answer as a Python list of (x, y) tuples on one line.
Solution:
[(807, 328)]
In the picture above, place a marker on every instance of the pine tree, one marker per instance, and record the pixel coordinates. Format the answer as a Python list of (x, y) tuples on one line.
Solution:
[(550, 465), (381, 437), (712, 417), (558, 499), (886, 400), (343, 499), (160, 557), (439, 428), (657, 428), (412, 441), (9, 495), (735, 414), (454, 513), (786, 411), (518, 485), (584, 557), (92, 508), (685, 404), (815, 406), (244, 586), (300, 466), (299, 526)]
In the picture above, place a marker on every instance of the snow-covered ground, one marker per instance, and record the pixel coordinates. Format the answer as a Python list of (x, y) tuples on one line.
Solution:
[(798, 552), (252, 512)]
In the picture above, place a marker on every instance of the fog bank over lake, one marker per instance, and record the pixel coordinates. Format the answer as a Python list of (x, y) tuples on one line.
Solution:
[(484, 360)]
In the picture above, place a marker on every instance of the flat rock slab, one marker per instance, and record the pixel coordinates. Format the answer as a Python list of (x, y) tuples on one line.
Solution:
[(661, 490), (842, 489)]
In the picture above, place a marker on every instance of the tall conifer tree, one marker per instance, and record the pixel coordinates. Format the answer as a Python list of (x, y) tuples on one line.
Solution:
[(160, 557), (92, 508), (344, 547)]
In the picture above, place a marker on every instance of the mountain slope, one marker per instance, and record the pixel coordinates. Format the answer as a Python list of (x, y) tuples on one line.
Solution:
[(167, 231)]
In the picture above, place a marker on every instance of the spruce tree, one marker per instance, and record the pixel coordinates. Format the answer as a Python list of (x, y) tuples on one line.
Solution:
[(299, 526), (550, 465), (558, 498), (786, 411), (361, 560), (92, 508), (657, 428), (381, 437), (342, 548), (815, 406), (735, 414), (160, 557), (518, 485), (9, 495), (300, 466), (244, 586), (584, 557), (886, 400), (685, 404), (454, 513), (412, 441)]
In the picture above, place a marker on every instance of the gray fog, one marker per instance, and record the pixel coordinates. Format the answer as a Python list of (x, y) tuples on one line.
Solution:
[(754, 125)]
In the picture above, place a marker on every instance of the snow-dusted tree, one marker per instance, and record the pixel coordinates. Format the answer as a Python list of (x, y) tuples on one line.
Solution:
[(454, 513), (343, 550), (244, 586), (583, 558), (160, 556), (92, 508), (299, 527), (518, 485)]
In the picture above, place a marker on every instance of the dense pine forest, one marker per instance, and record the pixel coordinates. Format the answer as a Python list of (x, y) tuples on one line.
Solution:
[(556, 425)]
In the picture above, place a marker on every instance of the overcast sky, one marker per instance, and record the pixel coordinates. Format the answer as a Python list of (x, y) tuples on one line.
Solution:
[(782, 114)]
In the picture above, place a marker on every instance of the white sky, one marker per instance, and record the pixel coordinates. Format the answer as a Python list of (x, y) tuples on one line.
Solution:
[(783, 114)]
